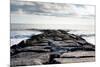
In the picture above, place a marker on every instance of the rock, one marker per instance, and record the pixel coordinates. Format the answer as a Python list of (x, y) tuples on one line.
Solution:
[(69, 41), (66, 37), (88, 48), (29, 58), (52, 57), (36, 43), (22, 44), (75, 60), (25, 62), (40, 44), (14, 48), (37, 37), (52, 33), (78, 54), (38, 49), (52, 47), (63, 44), (89, 45), (76, 37), (31, 42), (57, 39), (81, 42), (64, 32)]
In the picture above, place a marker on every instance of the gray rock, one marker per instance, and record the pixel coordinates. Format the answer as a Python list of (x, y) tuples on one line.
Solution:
[(64, 44), (25, 62), (78, 54), (29, 58), (75, 60), (34, 49), (51, 47), (57, 39)]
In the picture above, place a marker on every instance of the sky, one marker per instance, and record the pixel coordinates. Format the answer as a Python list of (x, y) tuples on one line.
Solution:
[(34, 12), (51, 9), (53, 15)]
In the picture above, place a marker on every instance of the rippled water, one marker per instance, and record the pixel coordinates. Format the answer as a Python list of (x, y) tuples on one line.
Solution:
[(19, 35), (89, 36)]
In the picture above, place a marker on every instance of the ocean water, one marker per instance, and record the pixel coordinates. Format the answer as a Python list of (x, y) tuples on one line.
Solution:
[(18, 34), (84, 26), (89, 36)]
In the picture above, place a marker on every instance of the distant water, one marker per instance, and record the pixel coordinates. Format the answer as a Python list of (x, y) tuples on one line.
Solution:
[(84, 26)]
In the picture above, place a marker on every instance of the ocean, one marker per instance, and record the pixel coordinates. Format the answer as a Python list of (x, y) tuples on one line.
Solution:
[(20, 32), (84, 26)]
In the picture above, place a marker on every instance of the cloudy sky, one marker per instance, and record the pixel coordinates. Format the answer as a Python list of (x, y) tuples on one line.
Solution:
[(53, 9), (52, 15)]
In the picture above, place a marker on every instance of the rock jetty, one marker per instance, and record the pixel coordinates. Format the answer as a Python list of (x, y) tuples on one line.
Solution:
[(52, 47)]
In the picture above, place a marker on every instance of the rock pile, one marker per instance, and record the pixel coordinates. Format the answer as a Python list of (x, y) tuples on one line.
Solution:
[(52, 47)]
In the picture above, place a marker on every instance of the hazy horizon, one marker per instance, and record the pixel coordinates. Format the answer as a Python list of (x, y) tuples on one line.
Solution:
[(46, 15)]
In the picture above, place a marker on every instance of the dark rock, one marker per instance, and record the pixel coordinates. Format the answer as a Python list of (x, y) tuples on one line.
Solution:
[(51, 59), (38, 49), (29, 58), (69, 41), (37, 37), (51, 47), (64, 32), (78, 54), (57, 39), (52, 33), (66, 37), (75, 60), (40, 44), (31, 42), (81, 42), (22, 44), (61, 43), (25, 62), (76, 37), (35, 42)]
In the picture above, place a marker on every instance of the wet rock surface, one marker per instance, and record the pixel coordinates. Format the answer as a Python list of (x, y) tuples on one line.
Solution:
[(52, 47)]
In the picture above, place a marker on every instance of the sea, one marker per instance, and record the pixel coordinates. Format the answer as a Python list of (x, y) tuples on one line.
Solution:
[(24, 31), (21, 23)]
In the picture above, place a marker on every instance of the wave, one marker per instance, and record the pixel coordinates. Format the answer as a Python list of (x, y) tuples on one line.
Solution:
[(17, 36)]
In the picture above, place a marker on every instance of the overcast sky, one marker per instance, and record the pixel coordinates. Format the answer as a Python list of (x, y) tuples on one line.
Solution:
[(54, 9), (53, 15)]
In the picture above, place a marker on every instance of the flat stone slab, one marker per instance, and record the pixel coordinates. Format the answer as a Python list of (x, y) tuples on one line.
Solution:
[(25, 62), (64, 44), (29, 58), (78, 54), (75, 60), (35, 49)]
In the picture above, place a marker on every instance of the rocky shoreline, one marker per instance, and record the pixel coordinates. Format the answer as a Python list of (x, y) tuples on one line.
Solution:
[(52, 47)]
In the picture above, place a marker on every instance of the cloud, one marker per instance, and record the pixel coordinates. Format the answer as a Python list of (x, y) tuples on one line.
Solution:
[(45, 8)]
